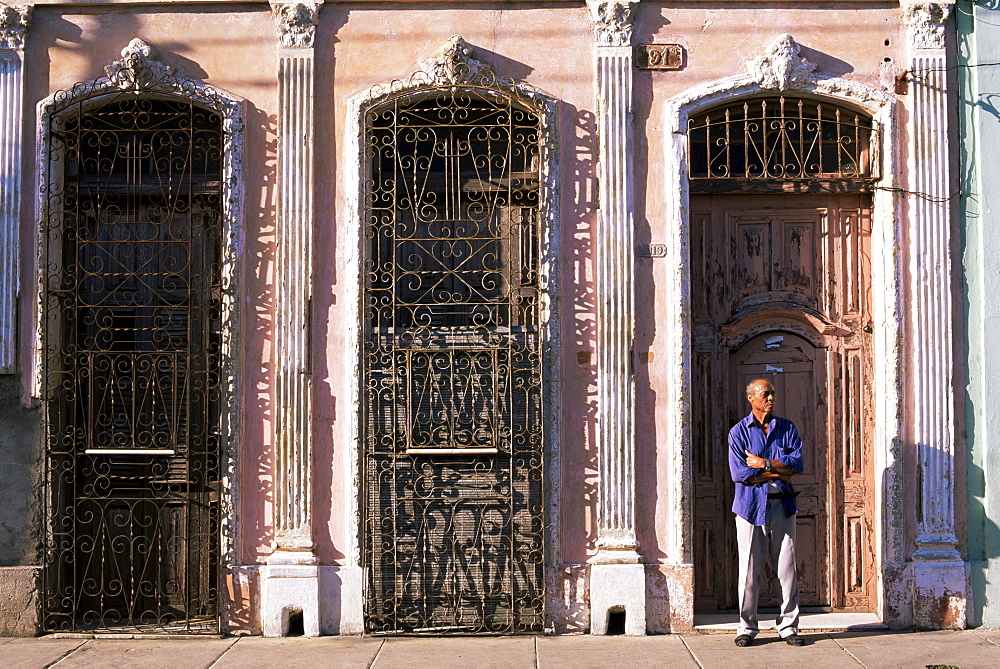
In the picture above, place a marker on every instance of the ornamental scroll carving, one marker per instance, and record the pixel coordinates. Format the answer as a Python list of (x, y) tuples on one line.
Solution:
[(781, 67), (453, 64), (138, 68), (612, 21), (14, 22), (296, 22), (925, 23)]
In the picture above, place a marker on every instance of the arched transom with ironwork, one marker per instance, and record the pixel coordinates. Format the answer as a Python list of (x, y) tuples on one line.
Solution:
[(452, 432), (780, 143)]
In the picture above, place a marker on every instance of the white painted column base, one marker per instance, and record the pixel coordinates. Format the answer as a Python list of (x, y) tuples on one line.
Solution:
[(289, 584), (343, 606), (618, 587), (939, 594)]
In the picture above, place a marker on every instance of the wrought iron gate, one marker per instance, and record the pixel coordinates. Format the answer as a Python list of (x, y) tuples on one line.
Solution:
[(451, 362), (131, 335)]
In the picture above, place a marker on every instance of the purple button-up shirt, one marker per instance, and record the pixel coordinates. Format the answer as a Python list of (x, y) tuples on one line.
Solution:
[(781, 443)]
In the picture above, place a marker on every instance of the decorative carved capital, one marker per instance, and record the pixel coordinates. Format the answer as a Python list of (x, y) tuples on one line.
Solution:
[(138, 68), (14, 22), (453, 64), (781, 66), (925, 23), (296, 22), (613, 21)]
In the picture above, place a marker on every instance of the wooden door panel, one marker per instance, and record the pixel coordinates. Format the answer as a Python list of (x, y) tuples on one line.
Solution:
[(793, 365), (753, 263), (769, 254), (811, 560), (796, 263)]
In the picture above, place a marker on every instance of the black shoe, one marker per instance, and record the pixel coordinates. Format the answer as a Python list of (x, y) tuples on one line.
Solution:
[(744, 640), (795, 640)]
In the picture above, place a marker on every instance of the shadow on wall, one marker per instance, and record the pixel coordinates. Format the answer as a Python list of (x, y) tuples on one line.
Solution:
[(254, 528), (984, 548), (327, 457), (645, 330), (21, 458), (578, 435), (257, 495)]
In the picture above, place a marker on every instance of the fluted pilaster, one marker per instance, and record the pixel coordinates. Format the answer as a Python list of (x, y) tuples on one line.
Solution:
[(617, 577), (931, 266), (14, 21), (291, 578), (293, 277), (940, 576), (616, 538)]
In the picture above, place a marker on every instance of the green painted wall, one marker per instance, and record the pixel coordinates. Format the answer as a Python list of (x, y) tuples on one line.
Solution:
[(979, 75)]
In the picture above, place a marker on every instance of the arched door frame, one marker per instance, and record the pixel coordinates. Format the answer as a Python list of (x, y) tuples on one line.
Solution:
[(886, 296), (454, 67), (140, 72)]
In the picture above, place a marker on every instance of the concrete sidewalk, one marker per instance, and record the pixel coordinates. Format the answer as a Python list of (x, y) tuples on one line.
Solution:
[(970, 648)]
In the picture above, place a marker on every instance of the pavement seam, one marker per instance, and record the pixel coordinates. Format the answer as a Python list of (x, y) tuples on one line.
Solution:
[(69, 652), (984, 638), (377, 652), (538, 660), (691, 653), (223, 653), (843, 648)]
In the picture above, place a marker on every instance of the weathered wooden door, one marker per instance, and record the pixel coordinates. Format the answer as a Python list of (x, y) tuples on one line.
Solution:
[(780, 290)]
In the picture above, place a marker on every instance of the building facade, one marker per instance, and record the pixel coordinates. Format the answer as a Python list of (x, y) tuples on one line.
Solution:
[(425, 318)]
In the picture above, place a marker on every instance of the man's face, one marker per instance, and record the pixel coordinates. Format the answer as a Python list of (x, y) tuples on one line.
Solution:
[(762, 397)]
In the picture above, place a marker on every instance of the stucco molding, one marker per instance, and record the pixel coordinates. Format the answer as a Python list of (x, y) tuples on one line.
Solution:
[(138, 69), (231, 109), (781, 67), (887, 313), (859, 94), (296, 22), (14, 23), (613, 21), (926, 23), (453, 64), (353, 161)]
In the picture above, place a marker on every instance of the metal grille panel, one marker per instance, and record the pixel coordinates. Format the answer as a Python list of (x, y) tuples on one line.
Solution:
[(131, 333), (453, 452), (779, 139)]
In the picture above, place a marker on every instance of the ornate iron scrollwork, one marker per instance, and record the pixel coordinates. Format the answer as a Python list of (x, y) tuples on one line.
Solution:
[(132, 312), (780, 139), (451, 361)]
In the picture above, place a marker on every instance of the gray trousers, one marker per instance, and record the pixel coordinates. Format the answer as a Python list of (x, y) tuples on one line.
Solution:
[(777, 538)]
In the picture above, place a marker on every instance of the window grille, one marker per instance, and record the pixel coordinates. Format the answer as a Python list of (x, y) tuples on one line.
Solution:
[(780, 140)]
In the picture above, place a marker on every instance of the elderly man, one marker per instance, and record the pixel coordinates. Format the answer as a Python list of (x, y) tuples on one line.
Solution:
[(764, 453)]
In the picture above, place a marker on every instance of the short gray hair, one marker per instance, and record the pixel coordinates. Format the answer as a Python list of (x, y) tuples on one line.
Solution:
[(753, 383)]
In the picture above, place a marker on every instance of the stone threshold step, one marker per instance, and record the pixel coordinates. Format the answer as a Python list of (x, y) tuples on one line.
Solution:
[(726, 623), (136, 635)]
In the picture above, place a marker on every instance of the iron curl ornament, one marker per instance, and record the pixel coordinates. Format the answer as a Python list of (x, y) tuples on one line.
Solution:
[(451, 360), (781, 139), (139, 208)]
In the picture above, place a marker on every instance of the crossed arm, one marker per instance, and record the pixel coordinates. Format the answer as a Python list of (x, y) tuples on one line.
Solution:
[(748, 468), (779, 470)]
